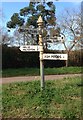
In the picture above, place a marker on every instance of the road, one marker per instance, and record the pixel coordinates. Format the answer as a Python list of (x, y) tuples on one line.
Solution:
[(30, 78)]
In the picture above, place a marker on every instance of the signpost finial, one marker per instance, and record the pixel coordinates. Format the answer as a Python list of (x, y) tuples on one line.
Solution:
[(40, 20)]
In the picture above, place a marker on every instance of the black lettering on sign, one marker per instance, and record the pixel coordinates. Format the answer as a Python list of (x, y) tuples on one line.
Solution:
[(47, 56), (56, 56), (28, 46), (24, 49), (59, 56)]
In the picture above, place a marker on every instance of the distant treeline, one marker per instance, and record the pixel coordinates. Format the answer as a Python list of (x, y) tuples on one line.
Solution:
[(12, 57)]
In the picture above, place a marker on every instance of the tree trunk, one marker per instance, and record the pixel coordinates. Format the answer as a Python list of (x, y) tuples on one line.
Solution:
[(67, 61)]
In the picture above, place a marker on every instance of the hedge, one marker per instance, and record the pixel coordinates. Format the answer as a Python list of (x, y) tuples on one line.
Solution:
[(12, 57)]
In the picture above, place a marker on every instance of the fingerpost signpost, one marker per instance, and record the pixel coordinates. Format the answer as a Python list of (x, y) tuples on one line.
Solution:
[(43, 56), (40, 24)]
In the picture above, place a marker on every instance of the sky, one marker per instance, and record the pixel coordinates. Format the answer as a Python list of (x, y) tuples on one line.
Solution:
[(9, 8), (40, 0)]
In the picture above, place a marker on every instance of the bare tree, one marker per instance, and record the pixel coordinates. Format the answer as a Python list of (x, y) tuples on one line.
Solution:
[(0, 25), (3, 32), (70, 24), (5, 38)]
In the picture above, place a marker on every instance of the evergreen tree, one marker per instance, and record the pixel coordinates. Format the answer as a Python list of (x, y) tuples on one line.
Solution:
[(29, 15)]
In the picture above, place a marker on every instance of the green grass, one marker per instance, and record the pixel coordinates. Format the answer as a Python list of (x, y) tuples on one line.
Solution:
[(61, 98), (35, 71)]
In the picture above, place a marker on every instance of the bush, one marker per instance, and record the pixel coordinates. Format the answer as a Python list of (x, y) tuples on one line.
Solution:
[(75, 58), (13, 58)]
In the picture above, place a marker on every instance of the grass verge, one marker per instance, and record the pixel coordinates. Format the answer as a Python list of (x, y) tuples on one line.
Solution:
[(35, 71), (61, 98)]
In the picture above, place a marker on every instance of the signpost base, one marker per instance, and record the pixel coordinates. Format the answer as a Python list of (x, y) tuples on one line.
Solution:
[(42, 74)]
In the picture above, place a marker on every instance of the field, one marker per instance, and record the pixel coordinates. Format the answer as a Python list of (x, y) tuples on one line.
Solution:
[(60, 99), (35, 71)]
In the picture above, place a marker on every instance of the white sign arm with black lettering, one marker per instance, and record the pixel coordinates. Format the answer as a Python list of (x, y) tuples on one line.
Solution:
[(29, 48), (49, 56)]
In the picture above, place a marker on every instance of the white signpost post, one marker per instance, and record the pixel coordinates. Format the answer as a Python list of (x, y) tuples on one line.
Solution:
[(42, 55)]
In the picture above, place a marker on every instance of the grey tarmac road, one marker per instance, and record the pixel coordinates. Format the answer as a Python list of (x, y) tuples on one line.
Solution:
[(30, 78)]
